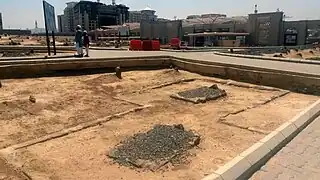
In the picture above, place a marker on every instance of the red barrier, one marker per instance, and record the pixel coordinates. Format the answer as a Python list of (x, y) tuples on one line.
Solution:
[(175, 43), (147, 45), (156, 45), (135, 45)]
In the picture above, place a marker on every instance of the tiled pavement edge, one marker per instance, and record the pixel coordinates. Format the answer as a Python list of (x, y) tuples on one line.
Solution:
[(298, 160), (249, 161)]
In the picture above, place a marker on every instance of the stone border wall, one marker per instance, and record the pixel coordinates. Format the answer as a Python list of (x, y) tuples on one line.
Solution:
[(298, 82)]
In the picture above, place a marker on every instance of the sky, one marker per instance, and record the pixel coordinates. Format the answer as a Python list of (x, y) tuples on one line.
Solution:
[(23, 13)]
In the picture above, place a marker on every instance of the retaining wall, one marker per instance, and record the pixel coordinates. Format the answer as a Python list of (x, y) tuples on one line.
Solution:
[(293, 81)]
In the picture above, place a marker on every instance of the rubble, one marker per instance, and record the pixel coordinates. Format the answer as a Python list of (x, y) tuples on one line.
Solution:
[(200, 95), (151, 150), (32, 99)]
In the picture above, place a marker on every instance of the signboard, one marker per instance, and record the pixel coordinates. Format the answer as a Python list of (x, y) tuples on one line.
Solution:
[(49, 17), (50, 24)]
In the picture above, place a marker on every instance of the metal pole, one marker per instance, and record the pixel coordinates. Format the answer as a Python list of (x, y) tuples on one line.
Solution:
[(54, 44)]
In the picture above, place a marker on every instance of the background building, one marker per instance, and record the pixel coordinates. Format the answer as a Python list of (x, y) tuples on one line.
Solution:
[(212, 15), (61, 23), (36, 29), (1, 25), (135, 16), (92, 15), (146, 14), (68, 18), (162, 30)]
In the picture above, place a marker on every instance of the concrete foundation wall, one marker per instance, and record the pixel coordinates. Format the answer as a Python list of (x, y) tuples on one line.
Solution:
[(276, 78)]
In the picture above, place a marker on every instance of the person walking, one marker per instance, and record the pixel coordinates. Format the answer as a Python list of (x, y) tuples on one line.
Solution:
[(78, 40), (86, 42)]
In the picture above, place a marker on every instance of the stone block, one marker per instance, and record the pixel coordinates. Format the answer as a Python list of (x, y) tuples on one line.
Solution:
[(303, 117), (255, 153), (287, 129), (273, 139), (213, 176), (234, 169)]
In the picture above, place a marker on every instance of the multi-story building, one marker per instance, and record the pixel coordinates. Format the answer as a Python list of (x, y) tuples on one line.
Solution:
[(146, 14), (92, 15), (1, 25), (68, 18), (135, 16), (61, 23)]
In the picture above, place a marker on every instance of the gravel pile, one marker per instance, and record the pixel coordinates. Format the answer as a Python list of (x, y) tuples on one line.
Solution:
[(201, 94), (16, 54), (152, 150)]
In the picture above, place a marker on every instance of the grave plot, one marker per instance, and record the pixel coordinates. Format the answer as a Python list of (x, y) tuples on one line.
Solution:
[(102, 127), (200, 95), (151, 150)]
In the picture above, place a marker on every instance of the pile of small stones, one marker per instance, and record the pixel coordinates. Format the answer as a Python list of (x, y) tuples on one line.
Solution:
[(157, 147), (17, 54), (207, 92)]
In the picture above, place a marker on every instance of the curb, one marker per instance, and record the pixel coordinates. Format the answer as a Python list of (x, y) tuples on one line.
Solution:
[(248, 162), (302, 61)]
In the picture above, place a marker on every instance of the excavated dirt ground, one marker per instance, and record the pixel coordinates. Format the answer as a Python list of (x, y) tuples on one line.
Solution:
[(227, 126)]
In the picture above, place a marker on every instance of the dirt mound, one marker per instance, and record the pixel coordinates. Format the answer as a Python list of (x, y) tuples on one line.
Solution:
[(151, 150)]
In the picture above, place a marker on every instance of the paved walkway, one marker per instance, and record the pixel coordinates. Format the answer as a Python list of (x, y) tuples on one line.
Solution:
[(299, 160), (209, 56)]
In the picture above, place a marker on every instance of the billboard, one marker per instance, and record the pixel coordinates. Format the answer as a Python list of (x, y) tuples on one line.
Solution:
[(49, 17)]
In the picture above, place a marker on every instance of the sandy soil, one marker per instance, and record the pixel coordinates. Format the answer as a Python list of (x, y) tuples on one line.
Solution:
[(7, 172), (63, 102)]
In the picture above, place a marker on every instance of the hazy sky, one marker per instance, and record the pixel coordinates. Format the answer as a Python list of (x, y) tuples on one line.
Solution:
[(23, 13)]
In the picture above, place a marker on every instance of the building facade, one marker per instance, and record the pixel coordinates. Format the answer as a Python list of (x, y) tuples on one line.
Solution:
[(266, 28), (1, 25), (61, 21), (135, 16), (146, 14), (92, 15), (68, 18), (164, 31)]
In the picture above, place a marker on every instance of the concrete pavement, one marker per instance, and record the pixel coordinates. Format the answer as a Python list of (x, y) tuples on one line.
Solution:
[(209, 56), (299, 160)]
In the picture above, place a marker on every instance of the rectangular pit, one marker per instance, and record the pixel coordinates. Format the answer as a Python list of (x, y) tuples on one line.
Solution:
[(65, 102)]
